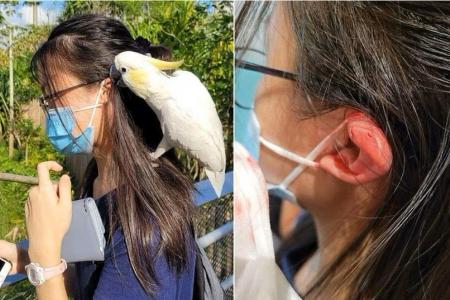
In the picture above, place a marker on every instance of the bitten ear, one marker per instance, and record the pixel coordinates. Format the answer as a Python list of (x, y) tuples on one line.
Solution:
[(365, 156), (106, 88)]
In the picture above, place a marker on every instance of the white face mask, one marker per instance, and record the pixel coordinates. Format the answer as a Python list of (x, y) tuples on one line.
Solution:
[(281, 189)]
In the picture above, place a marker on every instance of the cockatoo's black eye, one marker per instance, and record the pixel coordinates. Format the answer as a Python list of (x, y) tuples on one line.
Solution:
[(124, 70)]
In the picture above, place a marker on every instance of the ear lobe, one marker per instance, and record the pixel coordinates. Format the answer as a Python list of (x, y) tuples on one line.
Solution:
[(366, 156)]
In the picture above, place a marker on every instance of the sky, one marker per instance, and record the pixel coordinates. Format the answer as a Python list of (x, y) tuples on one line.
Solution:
[(48, 12)]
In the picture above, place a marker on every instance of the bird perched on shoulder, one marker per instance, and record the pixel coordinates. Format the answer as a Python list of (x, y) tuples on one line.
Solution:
[(185, 110)]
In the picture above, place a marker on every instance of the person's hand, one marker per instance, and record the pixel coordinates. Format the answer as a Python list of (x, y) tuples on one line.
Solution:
[(253, 236), (257, 274), (48, 214), (17, 256)]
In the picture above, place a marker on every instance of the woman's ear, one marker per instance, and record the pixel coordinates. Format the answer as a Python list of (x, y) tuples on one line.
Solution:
[(106, 89), (366, 154)]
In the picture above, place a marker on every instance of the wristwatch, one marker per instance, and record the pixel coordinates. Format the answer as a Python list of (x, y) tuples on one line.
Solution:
[(37, 275)]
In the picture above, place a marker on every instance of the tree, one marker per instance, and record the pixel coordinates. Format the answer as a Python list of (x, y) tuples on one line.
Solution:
[(24, 45)]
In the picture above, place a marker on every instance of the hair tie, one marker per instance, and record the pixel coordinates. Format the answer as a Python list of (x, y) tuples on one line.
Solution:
[(143, 44)]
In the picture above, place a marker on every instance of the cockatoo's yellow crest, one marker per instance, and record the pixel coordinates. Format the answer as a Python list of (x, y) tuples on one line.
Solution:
[(138, 76)]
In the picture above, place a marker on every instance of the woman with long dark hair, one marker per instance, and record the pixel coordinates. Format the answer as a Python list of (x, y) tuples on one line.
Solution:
[(146, 205), (354, 116)]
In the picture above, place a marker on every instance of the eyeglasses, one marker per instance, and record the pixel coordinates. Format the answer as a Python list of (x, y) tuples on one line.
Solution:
[(266, 70), (44, 101)]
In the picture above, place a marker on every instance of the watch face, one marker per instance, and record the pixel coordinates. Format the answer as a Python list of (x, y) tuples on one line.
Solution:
[(35, 275)]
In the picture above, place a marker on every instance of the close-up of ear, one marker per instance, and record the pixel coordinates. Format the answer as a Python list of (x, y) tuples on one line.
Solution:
[(366, 154), (107, 84)]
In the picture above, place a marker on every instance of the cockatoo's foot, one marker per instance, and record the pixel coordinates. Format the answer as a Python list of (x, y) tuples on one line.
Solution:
[(153, 156)]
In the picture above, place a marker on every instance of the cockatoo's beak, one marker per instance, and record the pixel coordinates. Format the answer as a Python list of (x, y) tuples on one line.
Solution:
[(115, 75), (165, 65)]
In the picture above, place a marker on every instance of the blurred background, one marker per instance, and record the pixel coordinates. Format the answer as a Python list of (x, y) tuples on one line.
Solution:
[(199, 32)]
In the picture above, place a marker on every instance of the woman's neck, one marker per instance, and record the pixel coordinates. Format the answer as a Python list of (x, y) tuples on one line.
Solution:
[(335, 230), (103, 183), (333, 235)]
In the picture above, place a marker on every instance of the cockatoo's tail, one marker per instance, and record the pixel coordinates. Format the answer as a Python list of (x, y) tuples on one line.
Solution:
[(165, 65)]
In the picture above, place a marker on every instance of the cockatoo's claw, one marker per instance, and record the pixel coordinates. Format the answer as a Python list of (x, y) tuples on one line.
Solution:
[(154, 156)]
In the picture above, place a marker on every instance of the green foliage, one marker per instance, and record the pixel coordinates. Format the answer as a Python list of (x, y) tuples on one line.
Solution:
[(20, 291), (25, 44), (114, 8), (13, 195)]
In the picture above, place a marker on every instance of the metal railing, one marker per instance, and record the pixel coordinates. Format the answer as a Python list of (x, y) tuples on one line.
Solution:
[(214, 225), (204, 199)]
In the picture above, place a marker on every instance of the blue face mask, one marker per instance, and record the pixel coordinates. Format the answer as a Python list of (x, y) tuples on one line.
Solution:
[(60, 123)]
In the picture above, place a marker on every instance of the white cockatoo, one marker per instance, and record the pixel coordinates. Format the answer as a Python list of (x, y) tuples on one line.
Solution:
[(185, 110)]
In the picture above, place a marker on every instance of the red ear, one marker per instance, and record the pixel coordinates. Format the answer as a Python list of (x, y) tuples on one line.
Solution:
[(367, 158)]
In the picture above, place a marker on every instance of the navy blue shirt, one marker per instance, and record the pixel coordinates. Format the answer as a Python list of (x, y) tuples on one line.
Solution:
[(297, 248), (114, 278)]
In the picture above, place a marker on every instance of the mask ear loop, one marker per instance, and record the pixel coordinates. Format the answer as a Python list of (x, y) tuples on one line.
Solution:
[(288, 154), (93, 106), (312, 156), (96, 104)]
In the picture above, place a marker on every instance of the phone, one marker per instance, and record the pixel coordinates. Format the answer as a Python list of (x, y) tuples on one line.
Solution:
[(5, 267)]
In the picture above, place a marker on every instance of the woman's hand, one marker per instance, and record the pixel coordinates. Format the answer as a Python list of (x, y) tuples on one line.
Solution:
[(17, 256), (48, 214), (256, 269)]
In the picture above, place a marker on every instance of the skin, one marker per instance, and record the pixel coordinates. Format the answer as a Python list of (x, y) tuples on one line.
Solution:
[(48, 210), (340, 209)]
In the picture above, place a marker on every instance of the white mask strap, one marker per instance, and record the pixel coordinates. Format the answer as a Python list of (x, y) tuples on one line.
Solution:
[(96, 104), (87, 107), (329, 139), (288, 154), (292, 175)]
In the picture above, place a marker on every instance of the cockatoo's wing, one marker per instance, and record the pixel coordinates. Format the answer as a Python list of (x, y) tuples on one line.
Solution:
[(192, 99), (193, 136)]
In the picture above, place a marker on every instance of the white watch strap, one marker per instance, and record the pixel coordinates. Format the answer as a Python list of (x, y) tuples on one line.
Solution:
[(56, 270)]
